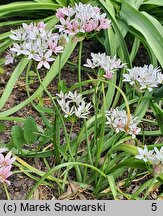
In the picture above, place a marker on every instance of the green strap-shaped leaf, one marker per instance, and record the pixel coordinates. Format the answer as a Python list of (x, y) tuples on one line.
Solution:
[(144, 25), (28, 6), (117, 31), (13, 79), (4, 35), (44, 1), (154, 2), (155, 22)]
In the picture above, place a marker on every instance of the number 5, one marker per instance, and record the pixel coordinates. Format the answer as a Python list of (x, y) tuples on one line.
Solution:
[(154, 207)]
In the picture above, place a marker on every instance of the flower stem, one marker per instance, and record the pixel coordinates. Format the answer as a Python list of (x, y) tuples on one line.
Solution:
[(79, 63), (6, 191), (63, 124), (90, 161), (59, 74)]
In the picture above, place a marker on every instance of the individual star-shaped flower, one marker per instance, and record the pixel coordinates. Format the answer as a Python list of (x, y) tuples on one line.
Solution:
[(144, 154)]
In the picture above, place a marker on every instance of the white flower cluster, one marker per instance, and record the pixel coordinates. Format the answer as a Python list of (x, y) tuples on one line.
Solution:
[(118, 120), (81, 19), (106, 62), (146, 77), (154, 156), (73, 104), (35, 42)]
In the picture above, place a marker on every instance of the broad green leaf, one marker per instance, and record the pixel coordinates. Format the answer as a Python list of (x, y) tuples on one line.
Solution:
[(4, 35), (155, 22), (51, 22), (30, 130), (138, 35), (27, 6), (154, 2), (17, 136), (144, 25), (62, 2), (14, 23), (44, 1), (4, 46), (116, 28), (43, 109), (112, 186), (135, 48), (134, 3), (128, 148)]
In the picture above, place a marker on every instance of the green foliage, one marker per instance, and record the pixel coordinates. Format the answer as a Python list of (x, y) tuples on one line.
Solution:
[(30, 130), (27, 134), (94, 152), (17, 135)]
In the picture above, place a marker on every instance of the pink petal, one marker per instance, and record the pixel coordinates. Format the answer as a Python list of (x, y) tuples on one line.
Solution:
[(40, 64), (13, 159), (46, 65), (50, 59), (37, 58), (48, 54), (8, 156)]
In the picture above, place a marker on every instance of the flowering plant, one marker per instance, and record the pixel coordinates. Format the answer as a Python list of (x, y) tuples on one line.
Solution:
[(99, 134)]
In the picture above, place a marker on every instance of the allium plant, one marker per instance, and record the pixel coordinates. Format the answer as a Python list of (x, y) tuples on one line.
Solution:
[(143, 78), (86, 140), (82, 18), (35, 42), (118, 120), (107, 63)]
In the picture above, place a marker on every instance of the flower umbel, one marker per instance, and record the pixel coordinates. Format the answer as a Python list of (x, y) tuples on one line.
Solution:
[(107, 63), (83, 18), (35, 42), (118, 120), (143, 78), (73, 104)]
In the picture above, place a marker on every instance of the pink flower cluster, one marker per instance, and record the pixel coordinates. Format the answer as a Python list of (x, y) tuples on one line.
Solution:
[(82, 18), (35, 42), (5, 165)]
